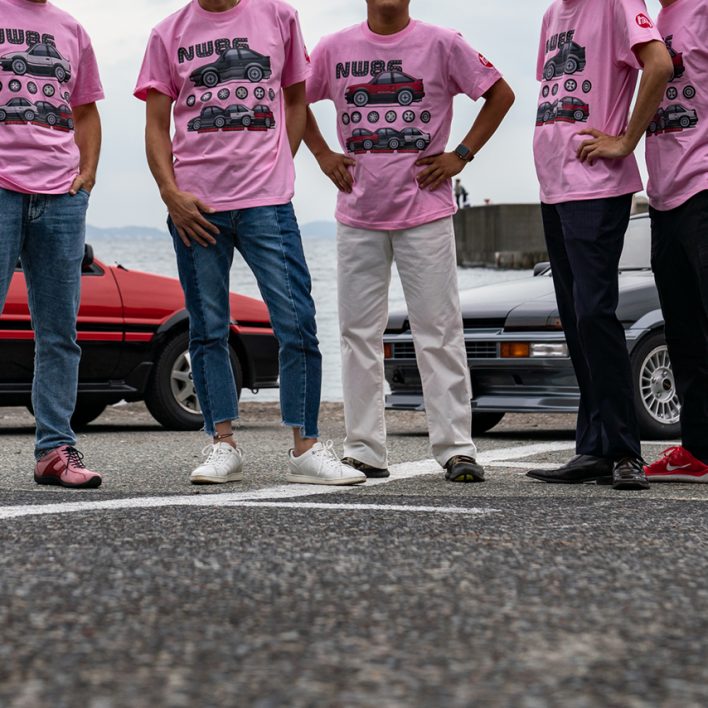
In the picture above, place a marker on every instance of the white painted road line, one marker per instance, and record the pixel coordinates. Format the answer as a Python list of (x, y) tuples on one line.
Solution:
[(406, 470), (367, 507)]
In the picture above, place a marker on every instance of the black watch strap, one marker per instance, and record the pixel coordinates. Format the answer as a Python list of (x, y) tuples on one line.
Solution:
[(464, 153)]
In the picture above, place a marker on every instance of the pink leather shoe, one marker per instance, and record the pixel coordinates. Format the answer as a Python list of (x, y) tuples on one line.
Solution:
[(64, 467)]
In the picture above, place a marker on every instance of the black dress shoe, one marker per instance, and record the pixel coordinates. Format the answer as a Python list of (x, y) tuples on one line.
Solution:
[(582, 468), (463, 469), (368, 470), (628, 473)]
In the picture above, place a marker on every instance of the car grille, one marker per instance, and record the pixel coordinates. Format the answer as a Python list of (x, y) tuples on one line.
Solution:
[(475, 350)]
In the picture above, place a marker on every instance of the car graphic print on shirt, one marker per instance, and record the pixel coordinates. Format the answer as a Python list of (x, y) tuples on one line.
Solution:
[(18, 110), (568, 109), (569, 60), (239, 64), (41, 59), (676, 58), (672, 119), (388, 87), (234, 117), (388, 140)]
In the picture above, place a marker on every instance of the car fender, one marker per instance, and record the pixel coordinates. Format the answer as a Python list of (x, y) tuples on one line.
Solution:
[(648, 323)]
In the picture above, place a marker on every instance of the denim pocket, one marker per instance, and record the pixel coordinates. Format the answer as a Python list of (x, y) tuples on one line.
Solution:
[(84, 191)]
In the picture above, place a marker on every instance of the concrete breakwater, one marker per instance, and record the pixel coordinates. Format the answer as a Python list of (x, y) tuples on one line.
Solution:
[(500, 236)]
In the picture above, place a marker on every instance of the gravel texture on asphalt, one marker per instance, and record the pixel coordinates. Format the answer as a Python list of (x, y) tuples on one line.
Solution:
[(567, 596)]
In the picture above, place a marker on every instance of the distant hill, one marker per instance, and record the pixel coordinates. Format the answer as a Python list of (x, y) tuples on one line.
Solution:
[(313, 229)]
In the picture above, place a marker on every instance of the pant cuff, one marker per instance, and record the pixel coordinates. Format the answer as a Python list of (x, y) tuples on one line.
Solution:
[(313, 435)]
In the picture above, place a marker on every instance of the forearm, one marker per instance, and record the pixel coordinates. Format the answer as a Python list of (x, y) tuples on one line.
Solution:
[(313, 136), (498, 100), (160, 160), (295, 114), (87, 127)]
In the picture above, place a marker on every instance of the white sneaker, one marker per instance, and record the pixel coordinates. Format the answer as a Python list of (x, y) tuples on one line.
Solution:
[(223, 464), (320, 465)]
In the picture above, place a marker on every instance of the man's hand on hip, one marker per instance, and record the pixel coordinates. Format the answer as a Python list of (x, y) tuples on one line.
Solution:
[(438, 169), (187, 214)]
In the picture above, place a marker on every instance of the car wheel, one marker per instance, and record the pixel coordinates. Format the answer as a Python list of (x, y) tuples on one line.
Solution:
[(171, 397), (86, 411), (254, 74), (689, 92), (482, 422), (246, 121), (420, 144), (361, 98), (70, 123), (571, 65), (197, 124), (59, 73), (210, 79), (268, 122), (546, 116), (685, 122), (405, 97), (662, 124), (368, 144), (394, 144), (549, 72), (655, 396), (652, 127), (19, 66), (29, 116), (579, 115), (52, 119), (3, 115), (219, 121)]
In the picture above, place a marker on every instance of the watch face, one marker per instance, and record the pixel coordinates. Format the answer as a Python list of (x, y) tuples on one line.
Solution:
[(462, 152)]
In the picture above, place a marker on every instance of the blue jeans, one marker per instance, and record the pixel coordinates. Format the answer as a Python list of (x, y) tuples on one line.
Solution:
[(47, 231), (268, 238)]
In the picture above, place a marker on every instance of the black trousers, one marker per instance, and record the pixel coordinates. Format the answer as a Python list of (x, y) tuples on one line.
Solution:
[(679, 259), (584, 241)]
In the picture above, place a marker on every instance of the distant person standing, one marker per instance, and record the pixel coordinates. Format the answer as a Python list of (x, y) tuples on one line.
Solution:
[(227, 180), (461, 196), (396, 204), (677, 158), (589, 59), (50, 140)]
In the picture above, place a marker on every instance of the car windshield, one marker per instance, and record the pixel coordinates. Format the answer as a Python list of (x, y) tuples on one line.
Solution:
[(636, 254)]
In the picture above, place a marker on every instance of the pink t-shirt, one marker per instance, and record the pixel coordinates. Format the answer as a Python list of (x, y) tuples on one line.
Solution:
[(677, 139), (47, 67), (588, 71), (393, 96), (226, 72)]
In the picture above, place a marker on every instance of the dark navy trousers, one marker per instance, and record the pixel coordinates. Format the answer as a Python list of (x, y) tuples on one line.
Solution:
[(585, 240)]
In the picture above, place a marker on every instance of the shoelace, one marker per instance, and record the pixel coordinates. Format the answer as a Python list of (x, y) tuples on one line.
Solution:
[(75, 458), (670, 451), (326, 454), (217, 455)]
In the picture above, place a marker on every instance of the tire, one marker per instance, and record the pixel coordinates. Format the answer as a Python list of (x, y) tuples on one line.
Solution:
[(60, 73), (19, 66), (86, 411), (197, 124), (70, 123), (547, 116), (483, 422), (571, 65), (246, 121), (210, 79), (653, 127), (160, 397), (420, 144), (689, 92), (394, 144), (268, 122), (549, 72), (52, 119), (29, 116), (368, 144), (219, 122), (360, 98), (405, 97), (662, 124), (654, 384), (685, 122), (254, 74), (3, 115), (579, 115)]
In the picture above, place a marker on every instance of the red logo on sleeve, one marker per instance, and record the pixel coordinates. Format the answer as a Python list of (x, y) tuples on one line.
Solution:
[(486, 62), (643, 21)]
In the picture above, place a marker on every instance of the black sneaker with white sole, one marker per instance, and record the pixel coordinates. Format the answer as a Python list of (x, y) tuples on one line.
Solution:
[(370, 471), (463, 469)]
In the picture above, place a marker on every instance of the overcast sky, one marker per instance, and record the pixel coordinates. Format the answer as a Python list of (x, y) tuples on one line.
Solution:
[(504, 30)]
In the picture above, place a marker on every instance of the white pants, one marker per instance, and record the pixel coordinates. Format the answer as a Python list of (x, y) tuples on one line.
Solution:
[(426, 262)]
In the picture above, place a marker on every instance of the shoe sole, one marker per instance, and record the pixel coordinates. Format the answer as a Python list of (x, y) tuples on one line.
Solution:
[(466, 477), (703, 479), (380, 475), (93, 483), (628, 486), (302, 479), (604, 480), (204, 479)]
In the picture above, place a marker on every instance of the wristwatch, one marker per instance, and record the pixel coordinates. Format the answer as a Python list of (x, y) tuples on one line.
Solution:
[(464, 153)]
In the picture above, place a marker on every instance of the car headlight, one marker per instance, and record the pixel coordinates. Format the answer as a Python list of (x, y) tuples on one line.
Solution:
[(543, 349), (533, 350)]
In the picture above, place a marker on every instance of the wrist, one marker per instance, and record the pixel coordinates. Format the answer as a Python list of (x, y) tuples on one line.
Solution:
[(463, 153), (168, 192)]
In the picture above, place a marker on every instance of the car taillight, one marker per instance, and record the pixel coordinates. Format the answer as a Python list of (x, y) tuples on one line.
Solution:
[(388, 351)]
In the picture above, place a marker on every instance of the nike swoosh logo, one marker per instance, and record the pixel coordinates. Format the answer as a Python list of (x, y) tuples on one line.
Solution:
[(671, 468)]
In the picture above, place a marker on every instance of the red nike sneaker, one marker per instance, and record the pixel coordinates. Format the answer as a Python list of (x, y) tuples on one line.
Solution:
[(677, 464), (64, 467)]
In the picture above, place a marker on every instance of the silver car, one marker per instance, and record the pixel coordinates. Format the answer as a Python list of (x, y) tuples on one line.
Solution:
[(41, 59)]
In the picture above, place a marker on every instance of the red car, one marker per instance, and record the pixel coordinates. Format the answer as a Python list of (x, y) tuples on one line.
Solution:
[(133, 332), (361, 139), (262, 115), (388, 87), (572, 109)]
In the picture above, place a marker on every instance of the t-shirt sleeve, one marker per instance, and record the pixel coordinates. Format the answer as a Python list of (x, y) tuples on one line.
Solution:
[(541, 59), (469, 71), (155, 72), (296, 67), (88, 80), (633, 27), (318, 82)]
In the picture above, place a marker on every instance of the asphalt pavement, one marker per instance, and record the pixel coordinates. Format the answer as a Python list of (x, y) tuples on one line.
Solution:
[(408, 592)]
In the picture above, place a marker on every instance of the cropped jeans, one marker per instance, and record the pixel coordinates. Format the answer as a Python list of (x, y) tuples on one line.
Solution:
[(46, 232), (269, 240)]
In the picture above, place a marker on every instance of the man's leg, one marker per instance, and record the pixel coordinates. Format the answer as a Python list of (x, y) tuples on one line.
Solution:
[(426, 262), (594, 235), (680, 264), (364, 260)]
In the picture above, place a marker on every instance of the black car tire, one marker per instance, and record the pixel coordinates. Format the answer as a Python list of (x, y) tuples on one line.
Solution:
[(394, 144), (360, 98), (197, 124), (579, 115), (571, 65), (689, 92), (483, 422), (52, 119), (219, 121), (246, 121), (549, 71), (649, 426), (254, 74), (70, 123), (368, 144), (29, 116), (420, 144), (405, 97), (159, 398), (19, 66), (547, 116), (86, 411), (210, 79), (652, 127), (268, 122), (3, 115), (59, 73), (684, 121)]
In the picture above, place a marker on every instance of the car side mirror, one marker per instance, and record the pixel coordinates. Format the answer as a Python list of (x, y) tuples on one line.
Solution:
[(541, 268), (88, 258)]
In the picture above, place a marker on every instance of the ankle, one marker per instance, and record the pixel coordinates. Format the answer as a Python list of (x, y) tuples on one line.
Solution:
[(227, 438), (303, 445)]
